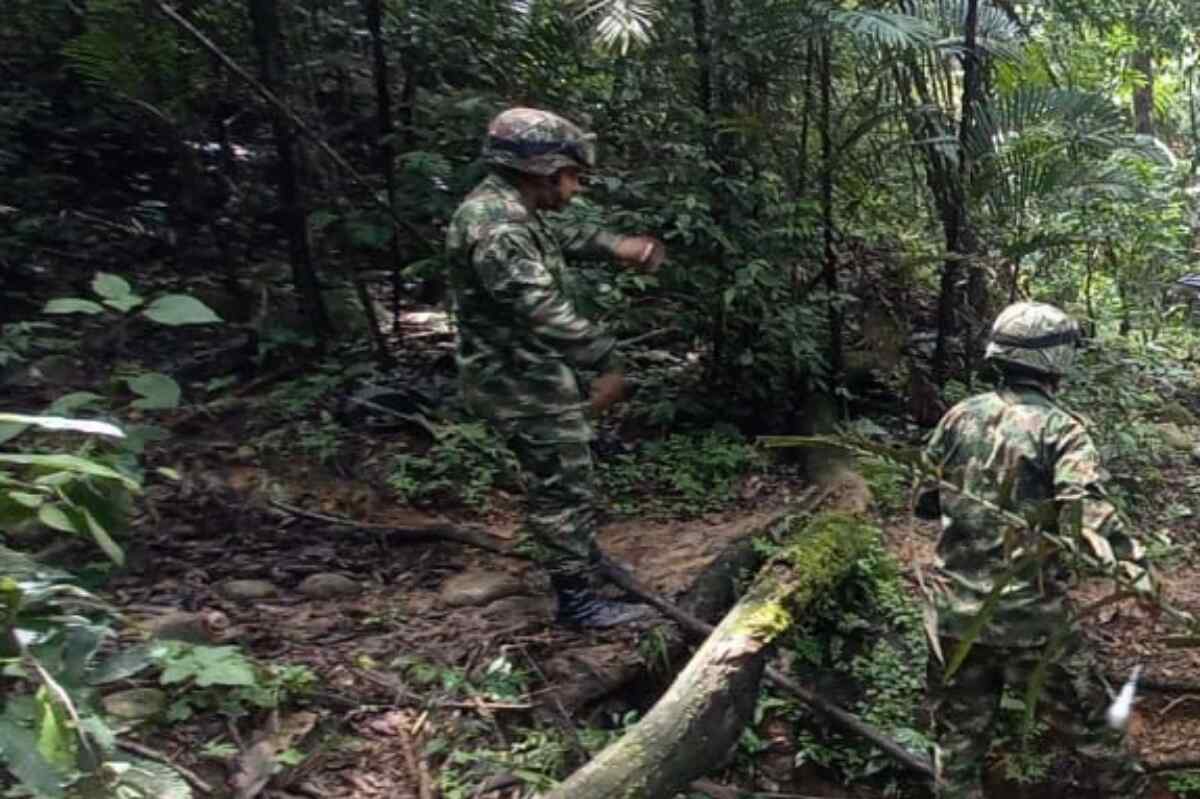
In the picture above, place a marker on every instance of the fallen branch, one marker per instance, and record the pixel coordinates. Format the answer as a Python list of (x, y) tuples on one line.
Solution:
[(701, 716), (151, 754), (483, 540), (476, 537), (1182, 764)]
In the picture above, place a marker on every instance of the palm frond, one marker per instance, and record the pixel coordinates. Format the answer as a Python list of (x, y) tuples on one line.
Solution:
[(1075, 120), (893, 30), (619, 24)]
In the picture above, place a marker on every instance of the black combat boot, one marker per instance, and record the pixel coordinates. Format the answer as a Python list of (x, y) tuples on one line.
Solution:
[(579, 606)]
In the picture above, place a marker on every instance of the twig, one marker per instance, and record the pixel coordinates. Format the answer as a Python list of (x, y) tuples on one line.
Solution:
[(718, 791), (1176, 702), (475, 537), (416, 765), (629, 342), (1183, 764), (150, 754)]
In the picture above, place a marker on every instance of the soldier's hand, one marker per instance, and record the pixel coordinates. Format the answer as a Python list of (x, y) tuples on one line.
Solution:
[(646, 252), (605, 390)]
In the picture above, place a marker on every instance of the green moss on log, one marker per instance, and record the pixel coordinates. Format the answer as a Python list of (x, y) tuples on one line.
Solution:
[(817, 557)]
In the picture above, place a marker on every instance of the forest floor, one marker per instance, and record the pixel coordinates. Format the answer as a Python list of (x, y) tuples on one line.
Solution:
[(435, 668)]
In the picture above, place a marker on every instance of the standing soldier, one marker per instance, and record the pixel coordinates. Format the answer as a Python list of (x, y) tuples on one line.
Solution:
[(521, 340), (1014, 450)]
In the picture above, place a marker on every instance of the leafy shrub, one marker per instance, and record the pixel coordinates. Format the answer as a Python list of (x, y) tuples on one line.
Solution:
[(685, 473), (465, 462)]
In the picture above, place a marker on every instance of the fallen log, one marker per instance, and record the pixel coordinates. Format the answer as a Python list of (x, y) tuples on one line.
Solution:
[(702, 714), (480, 538)]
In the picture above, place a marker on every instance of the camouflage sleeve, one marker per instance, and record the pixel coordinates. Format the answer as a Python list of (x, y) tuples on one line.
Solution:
[(927, 496), (585, 241), (510, 267), (1083, 503)]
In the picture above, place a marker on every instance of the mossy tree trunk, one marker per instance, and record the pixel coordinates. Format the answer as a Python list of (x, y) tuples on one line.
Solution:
[(701, 716)]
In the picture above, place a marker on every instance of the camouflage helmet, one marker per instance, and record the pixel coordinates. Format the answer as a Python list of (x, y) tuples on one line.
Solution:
[(1034, 335), (537, 142)]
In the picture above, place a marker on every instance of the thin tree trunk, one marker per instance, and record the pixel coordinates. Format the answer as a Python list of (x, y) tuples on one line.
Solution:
[(960, 238), (387, 152), (268, 39), (830, 254), (1143, 94)]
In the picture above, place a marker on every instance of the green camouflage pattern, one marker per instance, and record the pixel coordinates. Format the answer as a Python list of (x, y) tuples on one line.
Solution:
[(537, 142), (520, 344), (1015, 450), (967, 710), (1034, 335)]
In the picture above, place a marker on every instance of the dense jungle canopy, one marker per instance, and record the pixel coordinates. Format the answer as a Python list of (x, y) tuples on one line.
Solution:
[(250, 543)]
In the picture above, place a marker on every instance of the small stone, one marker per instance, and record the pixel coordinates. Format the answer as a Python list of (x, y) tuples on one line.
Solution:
[(1177, 413), (479, 588), (513, 608), (248, 589), (246, 453), (328, 586), (1176, 437), (136, 703)]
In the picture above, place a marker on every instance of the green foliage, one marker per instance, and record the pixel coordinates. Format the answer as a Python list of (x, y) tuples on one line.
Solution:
[(1184, 783), (682, 474), (117, 304), (866, 640), (222, 678), (465, 462)]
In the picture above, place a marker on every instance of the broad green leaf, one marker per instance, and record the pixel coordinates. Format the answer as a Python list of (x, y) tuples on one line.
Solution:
[(69, 403), (103, 539), (110, 286), (125, 304), (62, 423), (28, 500), (56, 741), (209, 665), (55, 517), (64, 305), (180, 309), (10, 430), (123, 664), (19, 751), (82, 641), (158, 391), (70, 463)]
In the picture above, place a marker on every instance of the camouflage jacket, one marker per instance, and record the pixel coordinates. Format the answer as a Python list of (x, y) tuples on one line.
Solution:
[(520, 336), (1015, 450)]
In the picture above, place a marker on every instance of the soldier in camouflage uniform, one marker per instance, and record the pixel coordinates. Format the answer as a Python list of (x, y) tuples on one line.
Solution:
[(522, 342), (1015, 450)]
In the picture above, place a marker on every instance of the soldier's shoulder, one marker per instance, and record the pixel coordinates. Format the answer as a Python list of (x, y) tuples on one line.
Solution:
[(978, 405), (490, 204)]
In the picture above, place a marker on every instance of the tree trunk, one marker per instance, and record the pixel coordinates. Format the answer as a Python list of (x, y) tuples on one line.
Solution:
[(693, 726), (264, 16), (1143, 94), (961, 244), (387, 152), (831, 276)]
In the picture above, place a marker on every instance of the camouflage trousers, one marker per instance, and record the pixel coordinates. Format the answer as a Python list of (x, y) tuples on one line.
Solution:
[(1072, 701), (561, 515)]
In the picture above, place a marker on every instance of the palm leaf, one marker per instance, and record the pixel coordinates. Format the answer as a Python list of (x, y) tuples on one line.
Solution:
[(618, 24)]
